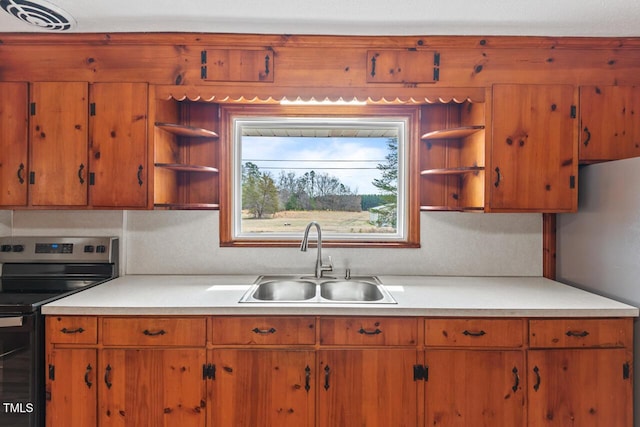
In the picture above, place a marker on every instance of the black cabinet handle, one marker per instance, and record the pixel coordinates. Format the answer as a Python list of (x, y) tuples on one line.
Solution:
[(264, 331), (307, 378), (80, 169), (516, 379), (474, 333), (86, 376), (140, 169), (327, 374), (266, 64), (21, 173), (154, 334), (107, 376), (577, 334), (588, 138), (72, 331), (498, 178), (536, 371), (365, 332), (373, 66)]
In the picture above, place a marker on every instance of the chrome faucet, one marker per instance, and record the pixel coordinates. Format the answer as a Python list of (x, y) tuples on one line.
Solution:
[(320, 266)]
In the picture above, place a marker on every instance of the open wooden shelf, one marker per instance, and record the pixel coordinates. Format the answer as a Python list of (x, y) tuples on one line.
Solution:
[(187, 206), (453, 171), (186, 168), (453, 209), (453, 133), (188, 131)]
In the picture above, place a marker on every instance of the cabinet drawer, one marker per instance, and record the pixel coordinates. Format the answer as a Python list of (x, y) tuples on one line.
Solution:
[(162, 331), (580, 333), (267, 330), (368, 331), (72, 329), (475, 332)]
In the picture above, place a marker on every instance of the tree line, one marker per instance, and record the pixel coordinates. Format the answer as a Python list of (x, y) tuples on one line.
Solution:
[(263, 194)]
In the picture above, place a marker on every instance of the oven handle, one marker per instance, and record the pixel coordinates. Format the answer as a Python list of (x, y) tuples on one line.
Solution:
[(11, 322)]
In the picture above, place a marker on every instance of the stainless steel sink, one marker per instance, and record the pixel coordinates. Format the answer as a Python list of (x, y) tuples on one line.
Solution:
[(285, 290), (351, 290), (305, 289)]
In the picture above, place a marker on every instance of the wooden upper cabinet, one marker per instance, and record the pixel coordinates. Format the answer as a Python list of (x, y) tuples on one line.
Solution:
[(403, 66), (237, 65), (118, 145), (58, 131), (534, 158), (609, 122), (13, 144)]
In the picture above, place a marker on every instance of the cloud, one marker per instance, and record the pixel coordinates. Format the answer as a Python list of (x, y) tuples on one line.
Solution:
[(352, 160)]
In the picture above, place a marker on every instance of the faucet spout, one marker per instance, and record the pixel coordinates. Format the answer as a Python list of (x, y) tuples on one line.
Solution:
[(320, 266)]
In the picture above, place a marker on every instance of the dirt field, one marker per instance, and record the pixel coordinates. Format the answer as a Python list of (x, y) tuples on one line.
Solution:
[(296, 221)]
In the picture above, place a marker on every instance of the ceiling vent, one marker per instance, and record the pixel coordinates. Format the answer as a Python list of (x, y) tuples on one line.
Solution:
[(39, 13)]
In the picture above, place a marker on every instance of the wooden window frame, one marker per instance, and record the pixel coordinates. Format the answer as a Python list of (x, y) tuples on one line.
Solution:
[(411, 113)]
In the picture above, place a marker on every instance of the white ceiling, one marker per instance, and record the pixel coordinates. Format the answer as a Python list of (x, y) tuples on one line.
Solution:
[(602, 18)]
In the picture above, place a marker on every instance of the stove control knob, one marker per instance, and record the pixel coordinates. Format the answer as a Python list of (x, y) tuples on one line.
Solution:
[(88, 248), (101, 249), (5, 248), (18, 248)]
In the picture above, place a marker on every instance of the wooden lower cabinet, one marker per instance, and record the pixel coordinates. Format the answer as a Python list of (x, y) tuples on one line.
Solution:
[(152, 388), (149, 372), (475, 388), (71, 388), (262, 388), (367, 387), (580, 387)]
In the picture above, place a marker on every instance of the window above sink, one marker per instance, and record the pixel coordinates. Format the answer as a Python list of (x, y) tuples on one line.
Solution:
[(346, 167)]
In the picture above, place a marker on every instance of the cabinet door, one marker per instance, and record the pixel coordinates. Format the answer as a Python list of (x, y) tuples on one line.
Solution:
[(152, 388), (71, 385), (475, 387), (534, 158), (118, 145), (609, 126), (13, 144), (369, 387), (58, 130), (403, 66), (586, 388), (262, 388), (238, 65)]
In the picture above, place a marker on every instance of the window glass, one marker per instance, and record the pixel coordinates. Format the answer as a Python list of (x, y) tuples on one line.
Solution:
[(348, 174)]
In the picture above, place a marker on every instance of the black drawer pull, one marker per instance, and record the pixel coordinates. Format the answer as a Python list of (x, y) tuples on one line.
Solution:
[(577, 334), (264, 331), (474, 333), (72, 331), (153, 334), (365, 332)]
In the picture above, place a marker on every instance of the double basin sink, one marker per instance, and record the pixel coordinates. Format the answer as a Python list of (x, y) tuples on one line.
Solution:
[(308, 289)]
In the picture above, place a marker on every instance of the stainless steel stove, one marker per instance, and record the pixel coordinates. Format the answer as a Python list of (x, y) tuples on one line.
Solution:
[(35, 271)]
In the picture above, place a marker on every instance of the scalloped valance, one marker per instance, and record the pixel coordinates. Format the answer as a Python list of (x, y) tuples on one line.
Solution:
[(274, 95)]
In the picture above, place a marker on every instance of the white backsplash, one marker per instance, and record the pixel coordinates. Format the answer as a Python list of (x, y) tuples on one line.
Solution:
[(186, 242)]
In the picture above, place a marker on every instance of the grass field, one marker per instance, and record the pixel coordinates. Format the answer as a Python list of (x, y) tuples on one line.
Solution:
[(296, 221)]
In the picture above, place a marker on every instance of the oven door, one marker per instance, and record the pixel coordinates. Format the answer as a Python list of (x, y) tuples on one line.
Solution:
[(21, 370)]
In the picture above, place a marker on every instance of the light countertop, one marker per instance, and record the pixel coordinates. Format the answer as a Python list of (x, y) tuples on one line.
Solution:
[(415, 296)]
